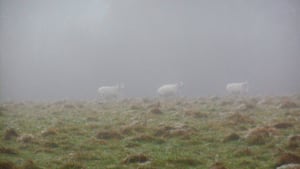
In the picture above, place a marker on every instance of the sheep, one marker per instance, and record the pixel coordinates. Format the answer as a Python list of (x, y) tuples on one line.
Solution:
[(169, 90), (237, 88), (110, 92)]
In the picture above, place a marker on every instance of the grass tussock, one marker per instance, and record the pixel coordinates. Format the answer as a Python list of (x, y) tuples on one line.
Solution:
[(283, 125), (7, 165), (147, 138), (294, 141), (155, 110), (10, 133), (184, 161), (132, 128), (5, 150), (289, 166), (237, 118), (108, 134), (196, 114), (29, 164), (179, 131), (135, 158), (243, 152), (218, 165), (260, 135), (72, 165), (288, 158), (231, 137), (26, 138), (287, 104), (49, 132)]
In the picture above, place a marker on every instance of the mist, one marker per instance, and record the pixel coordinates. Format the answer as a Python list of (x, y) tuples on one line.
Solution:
[(67, 49)]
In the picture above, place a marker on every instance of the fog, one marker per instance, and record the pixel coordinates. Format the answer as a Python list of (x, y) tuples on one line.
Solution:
[(59, 49)]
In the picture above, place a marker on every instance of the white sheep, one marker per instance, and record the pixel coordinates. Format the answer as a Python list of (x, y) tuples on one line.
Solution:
[(169, 90), (110, 92), (237, 88)]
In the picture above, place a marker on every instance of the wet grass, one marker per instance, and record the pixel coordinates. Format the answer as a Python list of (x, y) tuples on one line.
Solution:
[(201, 133)]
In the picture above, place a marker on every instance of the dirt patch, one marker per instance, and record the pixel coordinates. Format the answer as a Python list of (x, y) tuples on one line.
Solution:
[(260, 135), (294, 141), (10, 134), (218, 165), (288, 158), (283, 125), (108, 135), (136, 158)]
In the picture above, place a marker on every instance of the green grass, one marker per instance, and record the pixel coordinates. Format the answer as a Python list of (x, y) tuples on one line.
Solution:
[(188, 134)]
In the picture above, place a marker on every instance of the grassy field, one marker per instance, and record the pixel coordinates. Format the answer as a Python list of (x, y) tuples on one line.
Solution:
[(205, 133)]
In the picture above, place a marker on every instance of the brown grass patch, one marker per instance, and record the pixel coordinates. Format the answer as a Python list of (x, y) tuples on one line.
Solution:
[(243, 152), (136, 107), (132, 128), (196, 114), (7, 165), (49, 132), (231, 137), (156, 111), (287, 104), (4, 150), (185, 161), (260, 135), (82, 156), (181, 131), (147, 138), (29, 165), (294, 141), (50, 144), (289, 166), (288, 158), (245, 106), (218, 165), (72, 165), (26, 138), (92, 118), (237, 118), (10, 133), (136, 158), (109, 135), (283, 125)]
